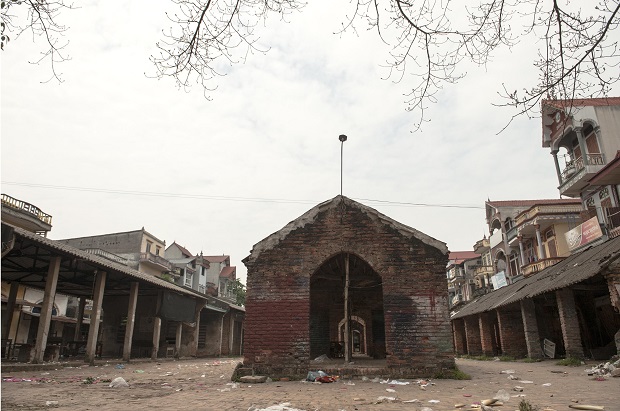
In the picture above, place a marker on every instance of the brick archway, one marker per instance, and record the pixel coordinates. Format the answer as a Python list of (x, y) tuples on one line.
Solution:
[(327, 317)]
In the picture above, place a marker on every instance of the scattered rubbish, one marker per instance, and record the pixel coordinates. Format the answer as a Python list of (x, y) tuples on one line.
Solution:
[(118, 382), (321, 358), (513, 377), (426, 409), (518, 388), (526, 382), (364, 378), (320, 376), (395, 382), (547, 384), (120, 366), (488, 401), (223, 389), (385, 399), (466, 395), (507, 372), (139, 371), (605, 369), (51, 403), (459, 405), (390, 390), (411, 401), (179, 389), (376, 379), (501, 395), (433, 401), (586, 407), (349, 383)]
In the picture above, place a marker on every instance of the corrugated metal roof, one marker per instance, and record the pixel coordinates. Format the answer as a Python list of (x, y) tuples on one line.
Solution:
[(574, 269), (520, 203), (102, 262)]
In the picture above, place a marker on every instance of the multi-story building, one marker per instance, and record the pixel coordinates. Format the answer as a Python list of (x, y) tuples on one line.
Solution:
[(221, 274), (191, 270), (527, 236), (460, 274), (137, 249), (584, 138)]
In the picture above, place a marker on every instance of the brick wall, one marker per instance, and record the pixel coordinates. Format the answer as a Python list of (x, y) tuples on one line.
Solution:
[(512, 336), (487, 337), (530, 328), (472, 335), (458, 332), (279, 333)]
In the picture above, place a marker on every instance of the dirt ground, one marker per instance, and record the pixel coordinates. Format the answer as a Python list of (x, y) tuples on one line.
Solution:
[(204, 384)]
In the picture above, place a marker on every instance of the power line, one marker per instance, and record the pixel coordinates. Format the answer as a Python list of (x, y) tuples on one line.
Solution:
[(227, 198)]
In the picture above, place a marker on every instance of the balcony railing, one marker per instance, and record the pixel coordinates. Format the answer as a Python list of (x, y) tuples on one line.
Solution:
[(106, 254), (540, 265), (483, 270), (574, 166), (155, 259), (202, 289), (27, 207)]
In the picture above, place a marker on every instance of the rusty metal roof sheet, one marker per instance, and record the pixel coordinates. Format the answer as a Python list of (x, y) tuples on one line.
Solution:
[(574, 269)]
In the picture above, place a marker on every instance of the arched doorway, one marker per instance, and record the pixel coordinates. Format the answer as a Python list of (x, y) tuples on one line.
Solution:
[(330, 301)]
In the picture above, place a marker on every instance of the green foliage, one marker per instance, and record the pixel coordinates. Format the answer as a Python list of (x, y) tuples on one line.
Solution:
[(570, 362), (528, 359), (477, 357), (238, 289), (506, 358), (167, 277), (454, 374)]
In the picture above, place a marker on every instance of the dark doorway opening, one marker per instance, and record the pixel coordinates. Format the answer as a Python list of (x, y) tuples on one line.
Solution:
[(366, 323)]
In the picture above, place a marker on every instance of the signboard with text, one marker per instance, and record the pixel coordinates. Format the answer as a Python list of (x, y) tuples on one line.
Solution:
[(583, 234), (499, 280)]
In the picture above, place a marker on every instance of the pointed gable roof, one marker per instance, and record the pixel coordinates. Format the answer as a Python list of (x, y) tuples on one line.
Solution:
[(310, 216)]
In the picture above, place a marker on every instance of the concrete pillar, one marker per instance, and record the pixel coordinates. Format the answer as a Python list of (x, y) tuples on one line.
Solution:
[(10, 310), (554, 153), (582, 145), (541, 251), (521, 253), (512, 336), (156, 333), (46, 309), (569, 323), (487, 339), (177, 342), (95, 317), (458, 333), (77, 334), (131, 320), (472, 335), (530, 328)]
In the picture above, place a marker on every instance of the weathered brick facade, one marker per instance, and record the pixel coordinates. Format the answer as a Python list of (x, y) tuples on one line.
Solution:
[(487, 337), (569, 322), (295, 304), (530, 328), (512, 336)]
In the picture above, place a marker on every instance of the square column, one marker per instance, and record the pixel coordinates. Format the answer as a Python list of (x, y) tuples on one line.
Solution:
[(77, 335), (10, 310), (530, 327), (93, 330), (458, 333), (177, 341), (156, 334), (472, 335), (487, 338), (131, 320), (46, 309), (569, 322)]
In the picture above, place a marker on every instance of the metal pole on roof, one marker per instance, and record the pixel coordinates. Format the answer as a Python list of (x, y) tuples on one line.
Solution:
[(342, 139)]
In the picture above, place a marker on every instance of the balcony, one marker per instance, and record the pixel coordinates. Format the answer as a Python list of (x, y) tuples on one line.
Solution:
[(107, 255), (537, 266), (156, 261), (25, 215), (202, 289), (576, 174)]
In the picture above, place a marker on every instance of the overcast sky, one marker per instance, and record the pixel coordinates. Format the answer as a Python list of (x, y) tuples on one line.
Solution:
[(226, 173)]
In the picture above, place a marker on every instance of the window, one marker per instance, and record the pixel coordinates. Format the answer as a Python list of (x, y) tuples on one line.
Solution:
[(149, 244), (157, 250), (188, 279)]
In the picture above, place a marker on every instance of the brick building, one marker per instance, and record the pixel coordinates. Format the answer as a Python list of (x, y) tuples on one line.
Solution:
[(343, 274)]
